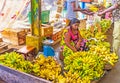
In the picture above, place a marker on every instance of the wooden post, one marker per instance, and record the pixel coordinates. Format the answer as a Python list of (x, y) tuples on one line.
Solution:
[(35, 39)]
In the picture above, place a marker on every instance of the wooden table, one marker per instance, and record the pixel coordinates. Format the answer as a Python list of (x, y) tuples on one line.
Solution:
[(26, 50)]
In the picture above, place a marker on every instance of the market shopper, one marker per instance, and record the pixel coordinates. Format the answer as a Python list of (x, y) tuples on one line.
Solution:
[(116, 19), (73, 36), (72, 8)]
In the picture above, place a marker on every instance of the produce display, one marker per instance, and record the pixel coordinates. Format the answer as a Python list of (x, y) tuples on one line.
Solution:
[(90, 64), (79, 67), (16, 61), (46, 67)]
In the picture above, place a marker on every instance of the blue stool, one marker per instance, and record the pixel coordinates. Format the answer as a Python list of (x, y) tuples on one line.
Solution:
[(48, 50)]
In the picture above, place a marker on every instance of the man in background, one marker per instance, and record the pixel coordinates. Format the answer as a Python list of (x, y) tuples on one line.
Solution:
[(115, 8), (72, 8)]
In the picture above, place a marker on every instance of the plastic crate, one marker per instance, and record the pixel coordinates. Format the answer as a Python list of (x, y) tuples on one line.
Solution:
[(45, 16)]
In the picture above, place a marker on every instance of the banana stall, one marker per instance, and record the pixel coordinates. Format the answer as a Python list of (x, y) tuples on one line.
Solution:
[(35, 58)]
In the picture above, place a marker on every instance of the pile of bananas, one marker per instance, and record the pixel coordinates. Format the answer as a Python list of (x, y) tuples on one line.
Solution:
[(90, 64), (104, 53), (105, 24), (16, 61), (68, 77), (93, 8), (86, 33), (46, 67), (86, 64)]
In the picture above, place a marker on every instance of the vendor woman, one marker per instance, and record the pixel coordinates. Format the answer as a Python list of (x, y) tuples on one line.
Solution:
[(73, 36)]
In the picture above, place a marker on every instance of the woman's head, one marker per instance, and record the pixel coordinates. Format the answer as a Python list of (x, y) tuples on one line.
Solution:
[(74, 23)]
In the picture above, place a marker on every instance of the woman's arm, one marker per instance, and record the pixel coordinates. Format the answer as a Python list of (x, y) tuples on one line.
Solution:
[(109, 9), (79, 41), (84, 11), (68, 41), (80, 37)]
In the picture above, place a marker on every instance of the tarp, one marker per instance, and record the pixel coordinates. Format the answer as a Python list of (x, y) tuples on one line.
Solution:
[(14, 14)]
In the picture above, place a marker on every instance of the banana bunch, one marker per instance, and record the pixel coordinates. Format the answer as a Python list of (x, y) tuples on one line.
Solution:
[(88, 65), (104, 52), (68, 77), (46, 67), (105, 24), (86, 33), (16, 61), (100, 36), (92, 8)]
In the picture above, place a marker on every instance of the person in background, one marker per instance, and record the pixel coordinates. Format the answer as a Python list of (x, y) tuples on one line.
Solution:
[(72, 8), (108, 15), (116, 19), (73, 36)]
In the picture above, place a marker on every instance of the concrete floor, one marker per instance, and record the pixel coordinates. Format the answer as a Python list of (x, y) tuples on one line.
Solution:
[(112, 76)]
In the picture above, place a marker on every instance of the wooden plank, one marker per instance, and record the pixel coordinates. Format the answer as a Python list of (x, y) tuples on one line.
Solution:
[(3, 46), (10, 75)]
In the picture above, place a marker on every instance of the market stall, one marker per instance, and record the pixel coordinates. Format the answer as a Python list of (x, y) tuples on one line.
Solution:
[(44, 26)]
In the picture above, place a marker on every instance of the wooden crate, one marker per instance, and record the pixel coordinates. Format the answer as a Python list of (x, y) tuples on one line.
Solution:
[(57, 34), (17, 37), (46, 30), (54, 37), (14, 36), (6, 33)]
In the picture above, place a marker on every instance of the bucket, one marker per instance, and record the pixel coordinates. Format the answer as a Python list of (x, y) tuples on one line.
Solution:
[(45, 16)]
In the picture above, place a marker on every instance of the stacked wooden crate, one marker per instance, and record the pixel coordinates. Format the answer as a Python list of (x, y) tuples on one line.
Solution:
[(46, 30), (57, 34), (14, 36), (17, 37)]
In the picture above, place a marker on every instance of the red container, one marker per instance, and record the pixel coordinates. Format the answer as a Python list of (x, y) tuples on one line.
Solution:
[(86, 0)]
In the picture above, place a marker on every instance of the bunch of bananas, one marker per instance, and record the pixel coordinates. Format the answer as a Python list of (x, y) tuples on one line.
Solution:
[(105, 24), (86, 33), (88, 65), (92, 8), (104, 52), (46, 67), (16, 61), (68, 77)]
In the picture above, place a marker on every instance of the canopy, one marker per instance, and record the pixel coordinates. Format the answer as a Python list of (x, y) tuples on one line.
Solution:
[(14, 14)]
